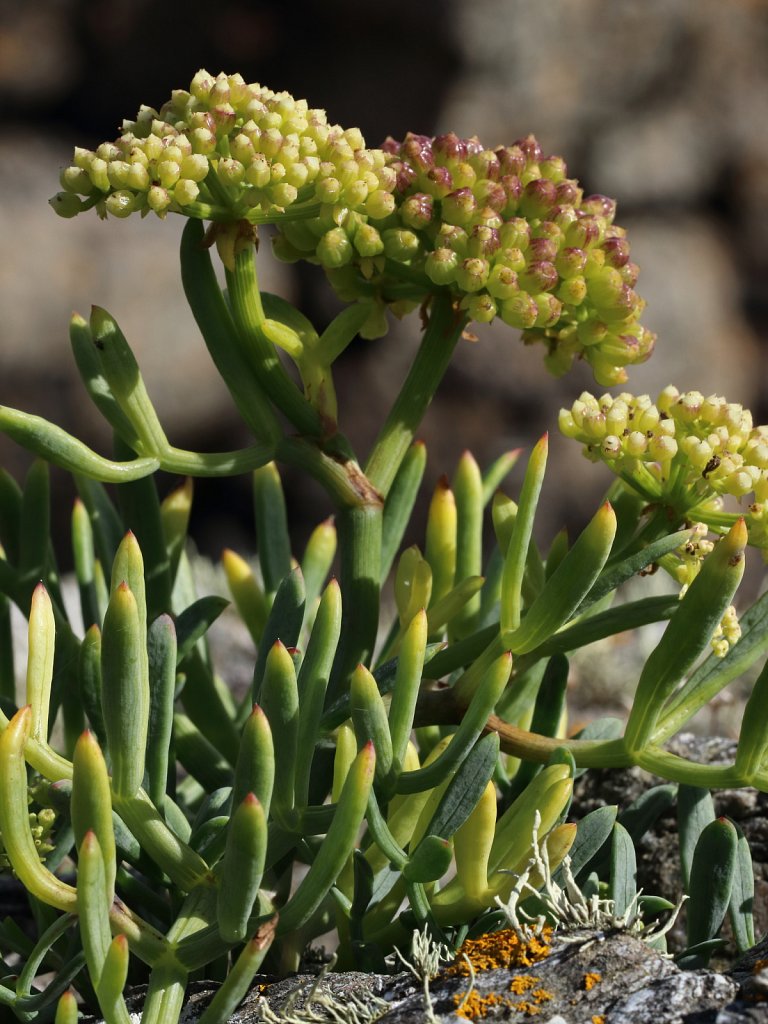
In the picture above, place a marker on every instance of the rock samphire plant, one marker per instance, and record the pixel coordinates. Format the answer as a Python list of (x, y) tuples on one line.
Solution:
[(379, 776)]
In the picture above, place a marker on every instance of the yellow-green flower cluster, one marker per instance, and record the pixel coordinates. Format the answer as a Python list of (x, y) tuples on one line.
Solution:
[(686, 442), (225, 150), (684, 565), (40, 825), (513, 236)]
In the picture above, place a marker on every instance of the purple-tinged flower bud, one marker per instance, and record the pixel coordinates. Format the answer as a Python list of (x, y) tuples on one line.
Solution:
[(491, 193), (454, 237), (334, 249), (538, 198), (515, 234), (417, 210), (542, 249), (439, 182), (502, 282), (511, 160), (570, 261), (521, 311), (380, 204), (550, 310), (486, 164), (224, 119), (472, 274), (630, 273), (600, 206), (66, 204), (441, 265), (539, 276), (121, 203), (406, 176), (530, 148), (621, 349), (568, 193), (450, 147), (583, 233), (400, 245), (483, 241), (616, 252), (459, 207), (203, 119), (417, 149), (513, 189), (480, 308), (554, 168)]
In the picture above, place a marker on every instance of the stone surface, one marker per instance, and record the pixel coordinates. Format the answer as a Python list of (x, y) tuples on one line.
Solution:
[(595, 977)]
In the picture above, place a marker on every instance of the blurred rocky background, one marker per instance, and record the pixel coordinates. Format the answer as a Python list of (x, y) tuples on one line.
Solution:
[(660, 103)]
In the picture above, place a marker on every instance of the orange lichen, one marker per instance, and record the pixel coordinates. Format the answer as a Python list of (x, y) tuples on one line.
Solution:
[(598, 1018), (500, 949), (473, 1006), (591, 979)]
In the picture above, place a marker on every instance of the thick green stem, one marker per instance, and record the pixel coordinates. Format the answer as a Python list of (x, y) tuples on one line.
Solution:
[(440, 338), (249, 317)]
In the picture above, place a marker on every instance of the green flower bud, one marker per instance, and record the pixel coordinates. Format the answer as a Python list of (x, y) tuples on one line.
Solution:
[(283, 194), (459, 207), (158, 199), (334, 249), (520, 311), (573, 291), (120, 204), (472, 274), (379, 205), (441, 266), (502, 282), (186, 192), (480, 308), (76, 179), (400, 245), (368, 241), (66, 204)]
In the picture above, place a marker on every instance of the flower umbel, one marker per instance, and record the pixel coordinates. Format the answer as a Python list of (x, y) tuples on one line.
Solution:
[(225, 150)]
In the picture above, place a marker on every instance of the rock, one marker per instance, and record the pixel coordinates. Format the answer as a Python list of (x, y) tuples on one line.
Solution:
[(588, 979)]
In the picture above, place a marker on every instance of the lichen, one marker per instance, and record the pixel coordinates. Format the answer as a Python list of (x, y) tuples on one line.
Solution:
[(500, 949)]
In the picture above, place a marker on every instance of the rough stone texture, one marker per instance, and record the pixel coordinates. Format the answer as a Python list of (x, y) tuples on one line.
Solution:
[(631, 984)]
